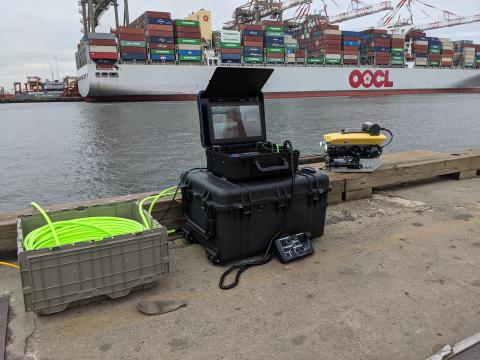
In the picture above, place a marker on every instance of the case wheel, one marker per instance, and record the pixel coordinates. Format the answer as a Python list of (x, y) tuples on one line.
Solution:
[(212, 255)]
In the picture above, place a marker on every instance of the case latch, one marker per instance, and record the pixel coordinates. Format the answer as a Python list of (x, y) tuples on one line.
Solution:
[(247, 203), (204, 197), (184, 186), (282, 197)]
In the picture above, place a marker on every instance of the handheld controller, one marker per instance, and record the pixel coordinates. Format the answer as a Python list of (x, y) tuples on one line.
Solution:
[(293, 247)]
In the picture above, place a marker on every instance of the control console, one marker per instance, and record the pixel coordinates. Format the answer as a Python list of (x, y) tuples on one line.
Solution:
[(293, 247)]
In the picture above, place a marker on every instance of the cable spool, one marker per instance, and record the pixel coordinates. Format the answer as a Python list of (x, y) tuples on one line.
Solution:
[(68, 232)]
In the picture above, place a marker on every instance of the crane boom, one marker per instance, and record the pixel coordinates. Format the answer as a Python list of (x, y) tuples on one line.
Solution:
[(93, 10), (367, 10), (448, 23), (255, 10)]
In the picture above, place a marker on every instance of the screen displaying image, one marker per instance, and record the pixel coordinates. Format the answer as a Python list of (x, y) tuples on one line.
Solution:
[(236, 121)]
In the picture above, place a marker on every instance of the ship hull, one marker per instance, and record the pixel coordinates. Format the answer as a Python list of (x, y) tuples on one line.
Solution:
[(139, 82)]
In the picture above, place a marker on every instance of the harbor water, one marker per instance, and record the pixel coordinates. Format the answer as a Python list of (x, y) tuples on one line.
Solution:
[(63, 152)]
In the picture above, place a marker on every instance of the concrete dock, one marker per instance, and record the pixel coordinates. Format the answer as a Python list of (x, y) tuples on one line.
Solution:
[(395, 276)]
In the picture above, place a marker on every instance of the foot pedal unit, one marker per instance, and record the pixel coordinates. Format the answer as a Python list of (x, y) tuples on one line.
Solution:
[(291, 248)]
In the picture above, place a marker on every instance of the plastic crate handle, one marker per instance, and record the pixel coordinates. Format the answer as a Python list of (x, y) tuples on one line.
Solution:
[(274, 168)]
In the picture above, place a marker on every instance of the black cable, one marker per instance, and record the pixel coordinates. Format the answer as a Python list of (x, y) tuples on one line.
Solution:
[(268, 255), (176, 191), (391, 136)]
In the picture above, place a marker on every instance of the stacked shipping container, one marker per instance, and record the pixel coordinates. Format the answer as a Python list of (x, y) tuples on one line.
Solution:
[(324, 44), (188, 40), (420, 49), (465, 53), (230, 46), (252, 40), (132, 44), (302, 38), (350, 47), (158, 34), (376, 47), (103, 49), (447, 53), (477, 56), (274, 34), (434, 51), (397, 49), (291, 46)]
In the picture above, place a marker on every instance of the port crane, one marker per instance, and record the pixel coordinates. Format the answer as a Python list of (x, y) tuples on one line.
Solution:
[(92, 10), (256, 10), (449, 23), (358, 9), (449, 19)]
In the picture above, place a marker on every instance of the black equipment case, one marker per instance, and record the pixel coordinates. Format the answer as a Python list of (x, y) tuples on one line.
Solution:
[(237, 220), (233, 102)]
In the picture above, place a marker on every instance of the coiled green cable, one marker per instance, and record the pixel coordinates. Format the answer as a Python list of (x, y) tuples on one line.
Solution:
[(69, 232)]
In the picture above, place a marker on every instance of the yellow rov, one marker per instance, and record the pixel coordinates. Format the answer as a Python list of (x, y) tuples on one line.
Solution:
[(359, 138), (355, 150)]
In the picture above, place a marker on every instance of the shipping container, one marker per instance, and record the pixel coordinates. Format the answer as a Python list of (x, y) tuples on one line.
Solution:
[(162, 52), (133, 56), (100, 55), (188, 40), (193, 23), (156, 57), (102, 42), (253, 59)]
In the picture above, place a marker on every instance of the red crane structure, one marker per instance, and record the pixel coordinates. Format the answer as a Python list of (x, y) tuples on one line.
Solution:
[(256, 10), (446, 18)]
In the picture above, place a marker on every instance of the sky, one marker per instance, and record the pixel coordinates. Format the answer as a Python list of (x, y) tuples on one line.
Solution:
[(34, 35)]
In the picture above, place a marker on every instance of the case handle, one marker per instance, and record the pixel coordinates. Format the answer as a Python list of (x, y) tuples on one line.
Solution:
[(274, 168)]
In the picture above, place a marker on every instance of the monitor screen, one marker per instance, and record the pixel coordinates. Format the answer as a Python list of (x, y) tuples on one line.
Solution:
[(236, 121)]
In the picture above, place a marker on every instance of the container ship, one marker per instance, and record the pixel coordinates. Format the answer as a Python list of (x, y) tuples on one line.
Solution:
[(156, 57)]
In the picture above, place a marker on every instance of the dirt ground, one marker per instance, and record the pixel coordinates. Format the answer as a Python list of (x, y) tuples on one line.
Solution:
[(394, 277)]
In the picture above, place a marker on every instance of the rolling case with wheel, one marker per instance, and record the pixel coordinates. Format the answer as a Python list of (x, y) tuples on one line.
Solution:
[(238, 220)]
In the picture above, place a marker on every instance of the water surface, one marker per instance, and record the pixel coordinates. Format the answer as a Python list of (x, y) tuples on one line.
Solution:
[(63, 152)]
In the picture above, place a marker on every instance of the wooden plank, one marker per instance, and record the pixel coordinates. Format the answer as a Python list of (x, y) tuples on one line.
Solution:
[(335, 197), (410, 167), (464, 175), (311, 159), (4, 301), (358, 194)]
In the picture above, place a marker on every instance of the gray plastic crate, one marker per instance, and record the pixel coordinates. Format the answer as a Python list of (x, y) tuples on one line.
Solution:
[(70, 275)]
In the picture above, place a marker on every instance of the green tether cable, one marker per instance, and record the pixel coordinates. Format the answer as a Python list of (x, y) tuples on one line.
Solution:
[(91, 228), (47, 219)]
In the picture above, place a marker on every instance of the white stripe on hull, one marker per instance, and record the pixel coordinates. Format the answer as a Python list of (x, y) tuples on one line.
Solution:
[(157, 80)]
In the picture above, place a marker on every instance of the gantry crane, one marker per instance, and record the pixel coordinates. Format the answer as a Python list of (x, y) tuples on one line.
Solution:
[(360, 12), (358, 9), (92, 11), (448, 23), (450, 19), (256, 10)]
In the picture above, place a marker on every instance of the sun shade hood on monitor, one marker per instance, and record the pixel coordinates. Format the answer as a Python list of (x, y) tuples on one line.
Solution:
[(237, 82), (242, 86)]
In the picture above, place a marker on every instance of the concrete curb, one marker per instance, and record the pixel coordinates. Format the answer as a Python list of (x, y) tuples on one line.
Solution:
[(447, 352)]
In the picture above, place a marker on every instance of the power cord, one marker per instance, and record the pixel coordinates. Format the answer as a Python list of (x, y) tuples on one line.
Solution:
[(391, 136), (268, 255), (182, 177)]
